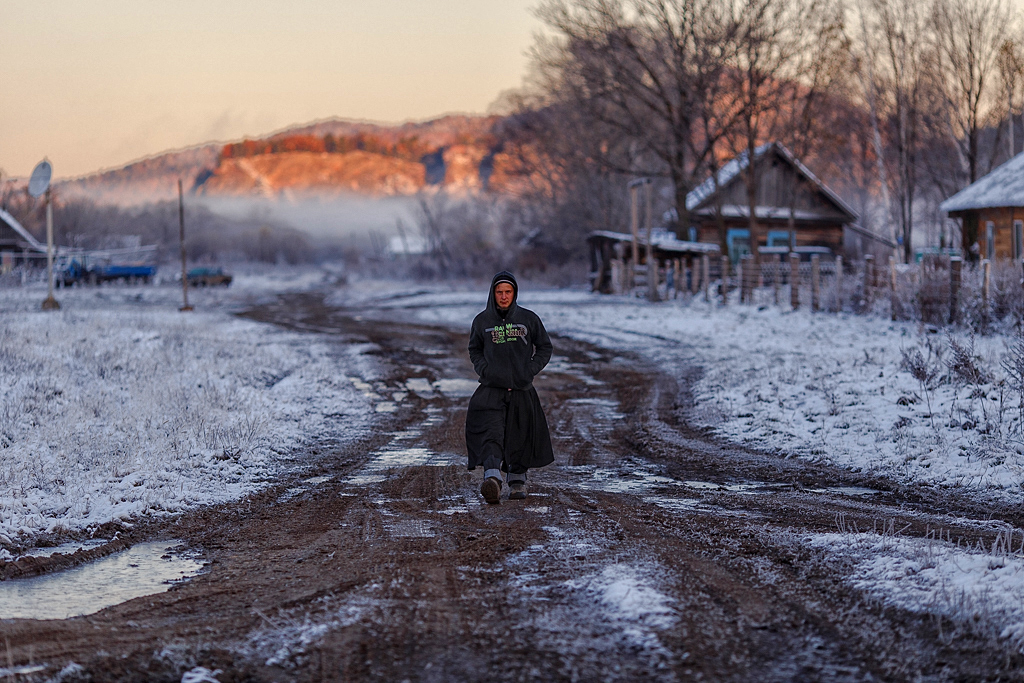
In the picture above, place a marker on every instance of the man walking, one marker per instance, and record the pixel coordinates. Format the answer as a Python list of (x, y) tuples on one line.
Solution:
[(505, 428)]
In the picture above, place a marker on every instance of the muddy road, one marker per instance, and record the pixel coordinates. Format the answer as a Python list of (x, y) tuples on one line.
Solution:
[(648, 551)]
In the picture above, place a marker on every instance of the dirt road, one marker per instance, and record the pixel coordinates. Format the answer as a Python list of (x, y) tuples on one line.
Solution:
[(649, 551)]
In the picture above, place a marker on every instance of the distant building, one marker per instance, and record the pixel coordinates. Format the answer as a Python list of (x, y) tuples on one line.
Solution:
[(794, 209), (407, 245), (991, 212), (15, 240)]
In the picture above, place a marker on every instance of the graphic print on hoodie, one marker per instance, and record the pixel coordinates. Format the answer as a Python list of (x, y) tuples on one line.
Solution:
[(508, 350)]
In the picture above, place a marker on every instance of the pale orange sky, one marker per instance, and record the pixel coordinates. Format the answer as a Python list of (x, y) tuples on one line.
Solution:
[(96, 84)]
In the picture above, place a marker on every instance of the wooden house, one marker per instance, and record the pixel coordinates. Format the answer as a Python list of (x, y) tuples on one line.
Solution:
[(794, 208), (991, 212)]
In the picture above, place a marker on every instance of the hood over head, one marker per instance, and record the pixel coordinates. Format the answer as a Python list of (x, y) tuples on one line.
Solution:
[(503, 276)]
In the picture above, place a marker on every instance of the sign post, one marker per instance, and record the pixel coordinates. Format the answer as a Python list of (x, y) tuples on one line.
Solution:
[(38, 185), (181, 234)]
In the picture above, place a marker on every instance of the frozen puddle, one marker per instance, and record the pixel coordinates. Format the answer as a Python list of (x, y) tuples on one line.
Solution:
[(143, 569)]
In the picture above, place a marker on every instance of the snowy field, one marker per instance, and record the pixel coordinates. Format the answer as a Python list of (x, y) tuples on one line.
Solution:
[(119, 406)]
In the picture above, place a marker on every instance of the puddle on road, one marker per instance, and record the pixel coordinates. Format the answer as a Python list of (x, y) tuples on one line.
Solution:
[(457, 387), (143, 569), (299, 490), (375, 471), (420, 386), (410, 528), (69, 548), (856, 491)]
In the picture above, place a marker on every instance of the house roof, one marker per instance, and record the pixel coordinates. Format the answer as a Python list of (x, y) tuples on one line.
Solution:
[(730, 172), (12, 222), (1002, 187), (660, 239)]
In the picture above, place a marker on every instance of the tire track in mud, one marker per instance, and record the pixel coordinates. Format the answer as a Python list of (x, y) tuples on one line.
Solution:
[(649, 551)]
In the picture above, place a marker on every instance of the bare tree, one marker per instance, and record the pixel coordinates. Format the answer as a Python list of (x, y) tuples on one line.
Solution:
[(1011, 78), (651, 72), (969, 35), (771, 38), (810, 100), (896, 55)]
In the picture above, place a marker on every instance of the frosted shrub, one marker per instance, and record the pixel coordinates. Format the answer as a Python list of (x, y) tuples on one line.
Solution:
[(1013, 365)]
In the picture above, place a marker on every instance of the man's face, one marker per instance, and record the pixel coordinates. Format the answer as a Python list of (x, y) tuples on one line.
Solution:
[(503, 294)]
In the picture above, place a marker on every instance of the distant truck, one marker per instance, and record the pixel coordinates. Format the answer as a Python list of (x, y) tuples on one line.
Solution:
[(76, 273), (208, 277)]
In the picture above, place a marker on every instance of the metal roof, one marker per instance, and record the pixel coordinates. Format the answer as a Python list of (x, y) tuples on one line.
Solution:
[(17, 227), (1002, 187)]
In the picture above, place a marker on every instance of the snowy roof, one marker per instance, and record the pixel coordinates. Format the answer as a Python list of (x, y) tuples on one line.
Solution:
[(661, 238), (17, 227), (732, 169), (1002, 187), (408, 245)]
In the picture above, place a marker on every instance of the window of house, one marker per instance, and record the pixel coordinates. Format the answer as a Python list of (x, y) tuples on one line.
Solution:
[(990, 240), (1018, 239), (738, 241), (778, 238)]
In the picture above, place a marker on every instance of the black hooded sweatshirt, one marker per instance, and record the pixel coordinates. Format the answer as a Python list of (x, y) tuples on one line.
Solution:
[(508, 349)]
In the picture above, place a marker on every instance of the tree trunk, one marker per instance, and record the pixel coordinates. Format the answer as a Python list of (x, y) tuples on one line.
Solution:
[(755, 236)]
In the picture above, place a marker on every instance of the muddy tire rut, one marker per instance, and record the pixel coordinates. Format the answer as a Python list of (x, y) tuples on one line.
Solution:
[(648, 551)]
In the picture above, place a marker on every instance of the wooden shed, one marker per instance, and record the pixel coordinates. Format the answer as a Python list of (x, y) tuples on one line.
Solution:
[(793, 207), (606, 247), (991, 212)]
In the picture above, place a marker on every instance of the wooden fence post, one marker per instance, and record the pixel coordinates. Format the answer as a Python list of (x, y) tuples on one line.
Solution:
[(695, 266), (986, 288), (956, 266), (777, 279), (617, 275), (652, 275), (705, 279), (739, 278), (725, 280), (869, 281), (839, 284), (815, 282), (894, 302), (794, 280)]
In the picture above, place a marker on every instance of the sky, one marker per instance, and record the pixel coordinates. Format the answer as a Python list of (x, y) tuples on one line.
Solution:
[(94, 85)]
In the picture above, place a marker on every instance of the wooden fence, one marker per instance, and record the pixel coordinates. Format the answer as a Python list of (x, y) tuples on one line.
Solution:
[(939, 290)]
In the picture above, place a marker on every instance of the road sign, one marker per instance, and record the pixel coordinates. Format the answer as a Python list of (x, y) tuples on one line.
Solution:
[(40, 180)]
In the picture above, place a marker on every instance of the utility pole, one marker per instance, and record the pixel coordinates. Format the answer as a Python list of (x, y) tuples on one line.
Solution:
[(39, 185), (181, 234)]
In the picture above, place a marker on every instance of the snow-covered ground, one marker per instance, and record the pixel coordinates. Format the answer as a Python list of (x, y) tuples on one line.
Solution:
[(978, 588), (832, 388), (827, 387), (119, 406)]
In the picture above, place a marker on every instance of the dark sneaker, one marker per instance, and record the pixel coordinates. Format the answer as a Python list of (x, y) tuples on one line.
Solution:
[(517, 490), (491, 490)]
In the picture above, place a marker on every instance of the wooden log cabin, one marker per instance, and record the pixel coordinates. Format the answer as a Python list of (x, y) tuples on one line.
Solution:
[(794, 208), (991, 213)]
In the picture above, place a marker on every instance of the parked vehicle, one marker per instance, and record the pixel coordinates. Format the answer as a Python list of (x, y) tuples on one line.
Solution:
[(208, 277), (76, 272)]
